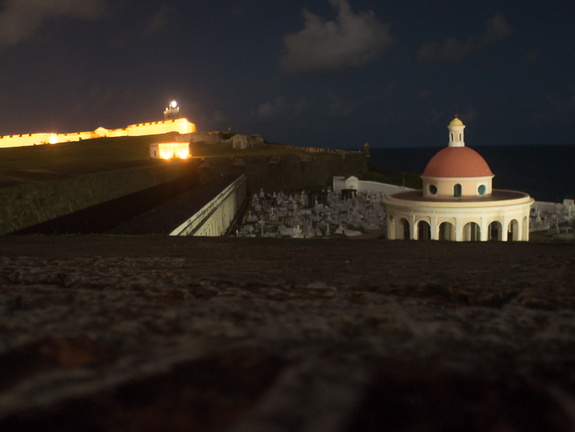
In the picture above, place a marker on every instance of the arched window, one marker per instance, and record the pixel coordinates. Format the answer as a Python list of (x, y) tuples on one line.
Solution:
[(423, 230), (404, 226), (471, 232), (482, 189), (513, 231), (432, 189), (495, 231), (457, 190), (446, 231)]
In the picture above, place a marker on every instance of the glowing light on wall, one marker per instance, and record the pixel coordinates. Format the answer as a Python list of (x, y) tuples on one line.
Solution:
[(170, 150), (54, 139)]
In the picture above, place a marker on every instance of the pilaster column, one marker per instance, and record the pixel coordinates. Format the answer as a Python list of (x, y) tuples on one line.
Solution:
[(504, 228), (434, 235), (484, 229), (458, 229)]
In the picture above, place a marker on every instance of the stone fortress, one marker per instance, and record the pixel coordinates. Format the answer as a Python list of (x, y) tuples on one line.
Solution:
[(172, 123)]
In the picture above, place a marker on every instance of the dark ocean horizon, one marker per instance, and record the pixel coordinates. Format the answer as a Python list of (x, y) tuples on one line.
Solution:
[(546, 172)]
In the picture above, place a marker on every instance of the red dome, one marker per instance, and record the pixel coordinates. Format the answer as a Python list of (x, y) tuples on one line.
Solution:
[(457, 162)]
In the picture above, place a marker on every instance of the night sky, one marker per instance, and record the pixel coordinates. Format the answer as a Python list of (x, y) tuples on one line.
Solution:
[(332, 73)]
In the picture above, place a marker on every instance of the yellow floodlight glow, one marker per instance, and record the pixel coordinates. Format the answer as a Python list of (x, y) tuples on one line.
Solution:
[(184, 154), (54, 138), (174, 151)]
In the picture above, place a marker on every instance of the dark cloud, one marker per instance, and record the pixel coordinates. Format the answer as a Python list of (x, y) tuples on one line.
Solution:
[(340, 108), (160, 20), (532, 59), (20, 19), (450, 50), (425, 95), (350, 41), (269, 111), (279, 110), (434, 119), (496, 29), (559, 108), (470, 114)]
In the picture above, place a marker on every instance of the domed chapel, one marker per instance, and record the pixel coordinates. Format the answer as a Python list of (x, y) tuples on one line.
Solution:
[(458, 202)]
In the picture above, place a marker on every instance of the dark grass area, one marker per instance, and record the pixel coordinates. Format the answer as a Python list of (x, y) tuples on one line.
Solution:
[(32, 164), (108, 215), (398, 178)]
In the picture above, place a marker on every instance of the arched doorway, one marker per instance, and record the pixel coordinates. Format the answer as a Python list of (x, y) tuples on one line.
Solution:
[(423, 230), (471, 232), (495, 231), (513, 231), (404, 230), (446, 231)]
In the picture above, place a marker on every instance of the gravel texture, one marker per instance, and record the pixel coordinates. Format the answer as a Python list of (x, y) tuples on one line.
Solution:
[(130, 333)]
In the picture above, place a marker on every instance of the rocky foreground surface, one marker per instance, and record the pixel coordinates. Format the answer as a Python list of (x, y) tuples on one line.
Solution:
[(110, 333)]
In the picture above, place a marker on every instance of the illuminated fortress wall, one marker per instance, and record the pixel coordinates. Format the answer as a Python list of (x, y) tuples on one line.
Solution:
[(181, 125)]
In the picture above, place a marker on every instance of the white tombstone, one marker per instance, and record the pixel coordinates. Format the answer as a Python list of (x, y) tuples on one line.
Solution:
[(297, 232)]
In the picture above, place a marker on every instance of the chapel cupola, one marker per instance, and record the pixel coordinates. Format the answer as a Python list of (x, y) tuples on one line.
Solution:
[(456, 171), (456, 127)]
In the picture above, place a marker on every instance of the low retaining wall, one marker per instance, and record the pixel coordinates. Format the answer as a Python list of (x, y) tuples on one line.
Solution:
[(216, 216), (27, 205)]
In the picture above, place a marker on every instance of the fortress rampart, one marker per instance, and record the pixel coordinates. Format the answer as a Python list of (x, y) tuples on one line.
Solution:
[(288, 172), (180, 125)]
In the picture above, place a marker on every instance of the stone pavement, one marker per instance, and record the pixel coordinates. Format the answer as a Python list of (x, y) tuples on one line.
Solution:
[(113, 333)]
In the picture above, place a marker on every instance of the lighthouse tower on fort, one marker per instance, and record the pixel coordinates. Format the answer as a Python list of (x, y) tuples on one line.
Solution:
[(457, 201), (172, 111)]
